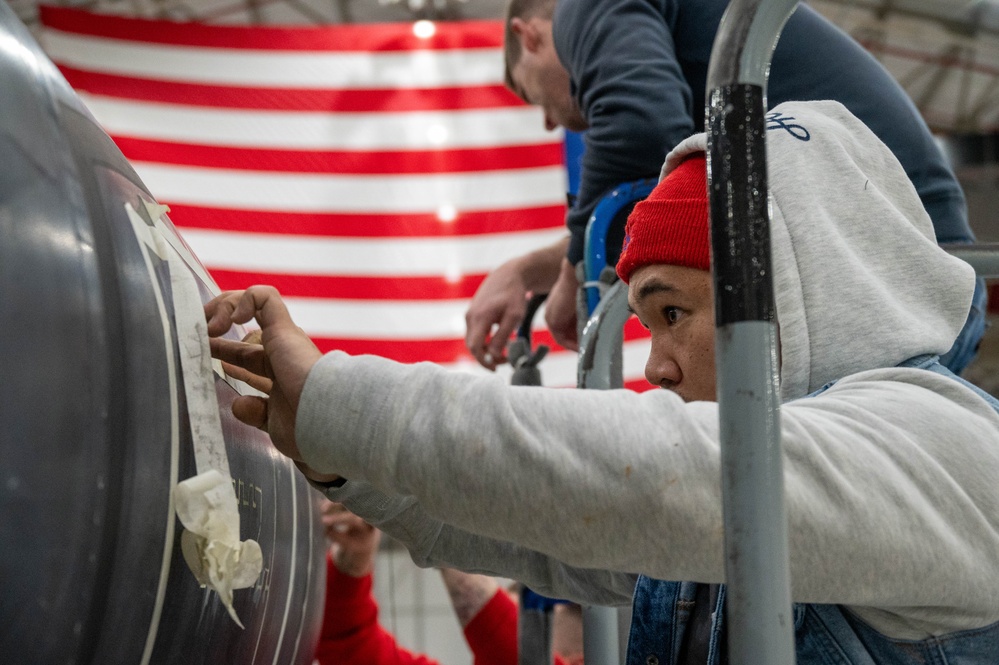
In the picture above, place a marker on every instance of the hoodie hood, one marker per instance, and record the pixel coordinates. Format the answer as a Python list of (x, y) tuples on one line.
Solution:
[(860, 282)]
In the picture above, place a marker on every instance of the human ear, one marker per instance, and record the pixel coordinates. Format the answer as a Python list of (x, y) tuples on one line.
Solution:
[(527, 33)]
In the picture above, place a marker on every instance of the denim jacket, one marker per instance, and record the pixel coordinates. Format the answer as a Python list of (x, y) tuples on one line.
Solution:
[(824, 634)]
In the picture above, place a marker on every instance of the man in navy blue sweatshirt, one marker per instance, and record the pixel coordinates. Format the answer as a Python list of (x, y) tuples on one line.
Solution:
[(632, 74)]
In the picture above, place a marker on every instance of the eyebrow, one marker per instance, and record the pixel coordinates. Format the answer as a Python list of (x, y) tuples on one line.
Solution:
[(651, 288)]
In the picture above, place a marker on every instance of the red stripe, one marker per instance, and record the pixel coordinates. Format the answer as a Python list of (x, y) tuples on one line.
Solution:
[(405, 351), (367, 226), (338, 38), (639, 385), (344, 287), (453, 350), (633, 331), (354, 288), (382, 288), (291, 99), (385, 162)]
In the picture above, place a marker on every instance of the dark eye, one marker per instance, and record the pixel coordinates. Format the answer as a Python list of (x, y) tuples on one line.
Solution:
[(672, 314)]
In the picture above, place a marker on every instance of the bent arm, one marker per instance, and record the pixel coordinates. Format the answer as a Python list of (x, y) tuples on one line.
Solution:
[(889, 480), (351, 634), (492, 633)]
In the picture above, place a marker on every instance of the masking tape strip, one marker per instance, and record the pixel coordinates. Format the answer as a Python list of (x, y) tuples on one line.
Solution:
[(196, 368), (186, 256), (206, 503)]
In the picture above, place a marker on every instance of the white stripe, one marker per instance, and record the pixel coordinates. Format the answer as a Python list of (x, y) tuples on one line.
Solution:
[(319, 193), (450, 257), (384, 319), (277, 554), (293, 556), (402, 320), (558, 369), (276, 69), (310, 570), (300, 130)]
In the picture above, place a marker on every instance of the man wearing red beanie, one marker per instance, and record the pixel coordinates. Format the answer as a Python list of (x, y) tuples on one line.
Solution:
[(666, 260), (890, 460)]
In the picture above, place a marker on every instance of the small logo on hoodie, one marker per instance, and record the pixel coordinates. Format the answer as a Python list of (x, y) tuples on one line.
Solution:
[(777, 120)]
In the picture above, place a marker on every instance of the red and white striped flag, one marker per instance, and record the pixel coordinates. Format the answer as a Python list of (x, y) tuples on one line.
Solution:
[(373, 173)]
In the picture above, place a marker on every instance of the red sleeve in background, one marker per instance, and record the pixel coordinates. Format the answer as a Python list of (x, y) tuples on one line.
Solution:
[(492, 633), (351, 634)]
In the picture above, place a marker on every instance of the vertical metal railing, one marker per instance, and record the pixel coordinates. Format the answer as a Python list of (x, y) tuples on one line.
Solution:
[(758, 610), (600, 367)]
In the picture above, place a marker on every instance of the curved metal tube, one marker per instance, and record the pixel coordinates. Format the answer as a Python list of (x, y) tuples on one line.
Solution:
[(596, 233), (600, 346), (601, 368), (759, 617), (983, 257)]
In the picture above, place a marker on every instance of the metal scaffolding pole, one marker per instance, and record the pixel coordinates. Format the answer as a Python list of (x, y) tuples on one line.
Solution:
[(983, 257), (759, 619), (600, 367)]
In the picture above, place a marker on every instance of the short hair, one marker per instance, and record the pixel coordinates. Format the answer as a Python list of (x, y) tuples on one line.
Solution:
[(522, 9)]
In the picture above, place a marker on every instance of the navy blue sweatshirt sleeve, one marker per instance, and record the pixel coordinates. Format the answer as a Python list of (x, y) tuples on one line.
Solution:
[(631, 89)]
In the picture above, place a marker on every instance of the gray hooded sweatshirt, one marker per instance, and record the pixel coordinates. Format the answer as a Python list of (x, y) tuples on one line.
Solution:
[(890, 475)]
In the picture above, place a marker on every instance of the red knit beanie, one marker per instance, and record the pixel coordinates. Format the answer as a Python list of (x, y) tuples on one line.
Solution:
[(671, 225)]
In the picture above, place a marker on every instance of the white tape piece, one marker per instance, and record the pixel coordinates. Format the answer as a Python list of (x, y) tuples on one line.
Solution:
[(196, 369), (167, 238), (210, 543), (206, 504)]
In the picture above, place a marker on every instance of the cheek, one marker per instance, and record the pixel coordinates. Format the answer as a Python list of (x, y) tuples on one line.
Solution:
[(701, 355)]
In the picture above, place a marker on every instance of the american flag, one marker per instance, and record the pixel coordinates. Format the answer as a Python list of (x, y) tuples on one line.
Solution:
[(373, 173)]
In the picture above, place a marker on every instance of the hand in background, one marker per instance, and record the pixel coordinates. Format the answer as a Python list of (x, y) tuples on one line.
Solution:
[(469, 592), (560, 307), (353, 541), (500, 303)]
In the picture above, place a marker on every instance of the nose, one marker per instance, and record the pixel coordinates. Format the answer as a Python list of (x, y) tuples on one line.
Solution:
[(661, 369), (549, 123)]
